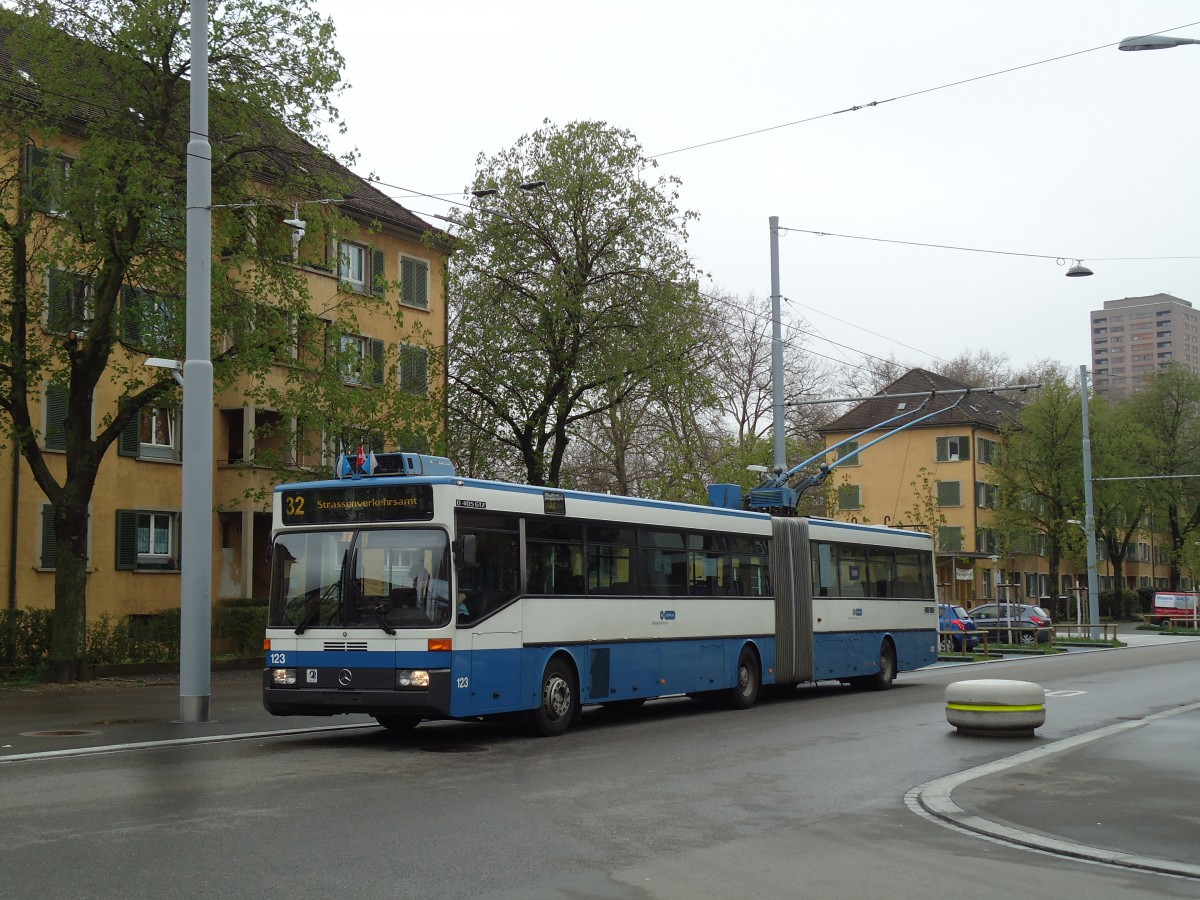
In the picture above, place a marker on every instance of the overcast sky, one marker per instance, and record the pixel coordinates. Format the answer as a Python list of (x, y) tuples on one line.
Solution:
[(1090, 157)]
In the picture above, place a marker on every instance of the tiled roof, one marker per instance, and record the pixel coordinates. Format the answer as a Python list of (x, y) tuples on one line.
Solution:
[(979, 408), (357, 196)]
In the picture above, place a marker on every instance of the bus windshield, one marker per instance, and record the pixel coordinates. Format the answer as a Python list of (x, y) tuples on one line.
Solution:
[(370, 578)]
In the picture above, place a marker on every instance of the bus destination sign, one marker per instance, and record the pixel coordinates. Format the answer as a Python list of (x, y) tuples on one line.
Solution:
[(368, 503)]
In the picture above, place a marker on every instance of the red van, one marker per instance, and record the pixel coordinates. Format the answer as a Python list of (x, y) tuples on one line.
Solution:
[(1170, 609)]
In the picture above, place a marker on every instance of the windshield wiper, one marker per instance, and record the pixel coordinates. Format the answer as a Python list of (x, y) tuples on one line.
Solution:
[(383, 622), (314, 614)]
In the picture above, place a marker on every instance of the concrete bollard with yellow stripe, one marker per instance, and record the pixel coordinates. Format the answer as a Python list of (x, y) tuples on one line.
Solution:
[(995, 707)]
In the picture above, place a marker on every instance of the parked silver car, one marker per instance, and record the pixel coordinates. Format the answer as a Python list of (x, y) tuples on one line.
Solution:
[(1017, 623)]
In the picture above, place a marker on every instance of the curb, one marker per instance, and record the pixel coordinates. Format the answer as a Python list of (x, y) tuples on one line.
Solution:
[(932, 801)]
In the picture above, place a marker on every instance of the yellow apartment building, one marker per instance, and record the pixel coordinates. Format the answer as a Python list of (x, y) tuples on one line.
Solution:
[(133, 554), (937, 477)]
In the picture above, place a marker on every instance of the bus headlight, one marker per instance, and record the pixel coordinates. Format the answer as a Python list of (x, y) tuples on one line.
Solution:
[(283, 677), (412, 679)]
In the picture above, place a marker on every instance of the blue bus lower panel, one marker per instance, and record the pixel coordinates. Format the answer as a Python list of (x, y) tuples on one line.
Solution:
[(484, 682), (495, 681), (855, 654)]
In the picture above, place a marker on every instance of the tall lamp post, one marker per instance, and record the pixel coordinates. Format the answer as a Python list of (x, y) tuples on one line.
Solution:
[(195, 563), (1089, 517)]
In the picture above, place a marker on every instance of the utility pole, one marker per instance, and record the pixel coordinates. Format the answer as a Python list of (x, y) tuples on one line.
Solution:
[(779, 424), (195, 613), (1089, 514)]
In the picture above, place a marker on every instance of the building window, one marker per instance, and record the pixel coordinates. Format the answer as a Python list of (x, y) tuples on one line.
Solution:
[(845, 450), (953, 449), (352, 265), (986, 541), (986, 451), (360, 359), (48, 552), (150, 320), (414, 282), (949, 538), (849, 496), (147, 540), (987, 496), (414, 370), (152, 434), (70, 301), (46, 176), (949, 493)]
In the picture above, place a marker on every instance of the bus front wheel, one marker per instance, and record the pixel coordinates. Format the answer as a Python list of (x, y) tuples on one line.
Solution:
[(743, 694), (559, 700)]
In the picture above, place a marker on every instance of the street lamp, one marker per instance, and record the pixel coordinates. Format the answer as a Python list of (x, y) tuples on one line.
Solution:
[(195, 602), (1089, 522), (1153, 42)]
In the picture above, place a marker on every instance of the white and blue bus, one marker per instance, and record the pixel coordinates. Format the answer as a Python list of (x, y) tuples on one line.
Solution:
[(416, 594)]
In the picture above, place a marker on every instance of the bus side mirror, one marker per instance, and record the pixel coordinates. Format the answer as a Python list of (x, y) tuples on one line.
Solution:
[(465, 553)]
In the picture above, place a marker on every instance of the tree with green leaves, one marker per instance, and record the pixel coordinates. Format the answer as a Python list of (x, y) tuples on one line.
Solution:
[(571, 292), (93, 134), (1169, 412), (1040, 472), (1120, 448)]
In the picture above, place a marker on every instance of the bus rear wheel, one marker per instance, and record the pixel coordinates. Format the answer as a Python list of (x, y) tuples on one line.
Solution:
[(882, 680), (559, 701), (743, 694), (398, 723)]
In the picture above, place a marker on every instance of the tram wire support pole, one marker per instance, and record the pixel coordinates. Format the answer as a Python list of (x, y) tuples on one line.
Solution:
[(1089, 513), (195, 563), (779, 421)]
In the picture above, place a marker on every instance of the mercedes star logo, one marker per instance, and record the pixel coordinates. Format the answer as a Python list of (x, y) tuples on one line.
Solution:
[(345, 677)]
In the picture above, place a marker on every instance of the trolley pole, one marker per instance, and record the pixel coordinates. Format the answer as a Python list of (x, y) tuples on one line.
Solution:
[(779, 423)]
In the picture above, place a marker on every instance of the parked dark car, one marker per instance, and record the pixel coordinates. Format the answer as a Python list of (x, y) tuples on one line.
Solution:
[(1022, 622), (957, 630)]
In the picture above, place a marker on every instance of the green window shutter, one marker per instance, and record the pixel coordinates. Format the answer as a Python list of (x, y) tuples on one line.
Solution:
[(849, 496), (964, 447), (49, 558), (37, 168), (943, 449), (378, 278), (414, 370), (126, 539), (949, 539), (131, 315), (949, 493), (414, 282), (60, 302), (56, 417), (377, 361), (130, 441)]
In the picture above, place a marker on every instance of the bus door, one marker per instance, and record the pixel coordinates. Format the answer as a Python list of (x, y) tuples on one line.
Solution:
[(488, 638)]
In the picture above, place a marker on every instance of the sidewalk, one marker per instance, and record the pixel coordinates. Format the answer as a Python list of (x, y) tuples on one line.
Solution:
[(1074, 797), (117, 712)]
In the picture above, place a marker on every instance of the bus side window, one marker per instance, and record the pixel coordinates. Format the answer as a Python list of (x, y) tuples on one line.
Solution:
[(494, 581)]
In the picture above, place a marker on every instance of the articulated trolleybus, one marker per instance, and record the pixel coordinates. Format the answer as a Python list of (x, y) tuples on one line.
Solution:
[(411, 593)]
